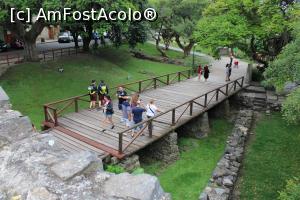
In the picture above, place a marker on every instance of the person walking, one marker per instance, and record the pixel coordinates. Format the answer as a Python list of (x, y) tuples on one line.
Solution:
[(236, 64), (151, 110), (199, 70), (102, 92), (206, 72), (109, 111), (137, 112), (135, 99), (121, 94), (231, 60), (126, 112), (227, 72), (93, 94)]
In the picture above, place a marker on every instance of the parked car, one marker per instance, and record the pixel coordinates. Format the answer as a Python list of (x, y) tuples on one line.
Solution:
[(3, 46), (17, 44), (79, 38), (65, 37)]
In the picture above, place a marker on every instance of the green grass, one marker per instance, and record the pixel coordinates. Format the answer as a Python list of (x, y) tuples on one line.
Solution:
[(30, 85), (149, 49), (185, 178), (271, 159)]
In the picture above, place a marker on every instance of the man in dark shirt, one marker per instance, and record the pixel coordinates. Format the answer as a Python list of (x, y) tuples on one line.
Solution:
[(138, 116), (121, 94)]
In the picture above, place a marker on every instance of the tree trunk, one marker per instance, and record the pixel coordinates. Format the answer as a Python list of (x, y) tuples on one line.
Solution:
[(162, 53), (30, 50), (254, 54), (75, 36), (28, 37), (87, 39), (102, 40), (186, 49)]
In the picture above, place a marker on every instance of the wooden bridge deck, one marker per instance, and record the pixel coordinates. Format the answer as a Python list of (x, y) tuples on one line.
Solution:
[(180, 102)]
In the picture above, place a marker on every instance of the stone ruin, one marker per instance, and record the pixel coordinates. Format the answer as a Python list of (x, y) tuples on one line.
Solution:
[(34, 167), (221, 183)]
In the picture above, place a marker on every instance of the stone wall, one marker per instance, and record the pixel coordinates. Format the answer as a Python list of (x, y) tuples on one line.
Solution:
[(165, 149), (34, 167), (222, 181), (198, 127)]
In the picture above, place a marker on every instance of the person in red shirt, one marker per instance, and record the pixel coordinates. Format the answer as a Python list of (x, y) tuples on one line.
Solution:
[(199, 72), (236, 64)]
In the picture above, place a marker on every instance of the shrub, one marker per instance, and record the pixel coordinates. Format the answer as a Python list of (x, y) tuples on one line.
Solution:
[(115, 169), (291, 191), (291, 107), (138, 171), (257, 75)]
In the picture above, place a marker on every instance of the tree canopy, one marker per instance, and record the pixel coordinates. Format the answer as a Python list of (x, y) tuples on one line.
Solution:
[(259, 28)]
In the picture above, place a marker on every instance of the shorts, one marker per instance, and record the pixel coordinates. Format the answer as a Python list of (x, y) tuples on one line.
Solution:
[(108, 115), (101, 97), (93, 97)]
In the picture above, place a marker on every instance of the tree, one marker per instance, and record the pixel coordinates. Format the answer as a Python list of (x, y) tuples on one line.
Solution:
[(162, 24), (260, 28), (116, 29), (23, 31), (176, 20), (286, 68), (185, 15)]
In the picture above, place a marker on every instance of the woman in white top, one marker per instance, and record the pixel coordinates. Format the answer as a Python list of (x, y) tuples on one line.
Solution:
[(151, 110)]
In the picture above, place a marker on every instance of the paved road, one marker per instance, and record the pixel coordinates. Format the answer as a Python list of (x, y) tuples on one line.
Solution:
[(43, 47)]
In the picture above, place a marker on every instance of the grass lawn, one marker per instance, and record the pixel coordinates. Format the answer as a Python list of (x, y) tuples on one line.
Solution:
[(30, 85), (271, 159), (149, 49), (185, 178)]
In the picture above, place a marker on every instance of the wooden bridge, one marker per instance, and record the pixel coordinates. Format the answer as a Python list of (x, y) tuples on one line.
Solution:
[(180, 96)]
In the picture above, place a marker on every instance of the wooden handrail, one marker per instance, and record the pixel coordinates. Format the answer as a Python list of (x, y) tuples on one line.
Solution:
[(174, 121), (115, 87), (153, 82)]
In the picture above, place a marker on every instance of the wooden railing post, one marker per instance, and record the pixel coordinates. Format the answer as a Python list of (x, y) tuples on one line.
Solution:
[(120, 143), (191, 108), (179, 73), (227, 89), (168, 79), (234, 87), (46, 113), (140, 86), (55, 117), (76, 105), (189, 74), (154, 83), (150, 125), (242, 81), (205, 100), (217, 95), (44, 55), (173, 117), (52, 54)]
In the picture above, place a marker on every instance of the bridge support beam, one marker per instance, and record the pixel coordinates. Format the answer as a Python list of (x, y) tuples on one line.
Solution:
[(197, 127), (221, 111), (165, 149)]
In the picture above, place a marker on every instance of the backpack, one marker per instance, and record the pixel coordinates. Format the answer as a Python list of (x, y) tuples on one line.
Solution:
[(103, 89), (109, 107)]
